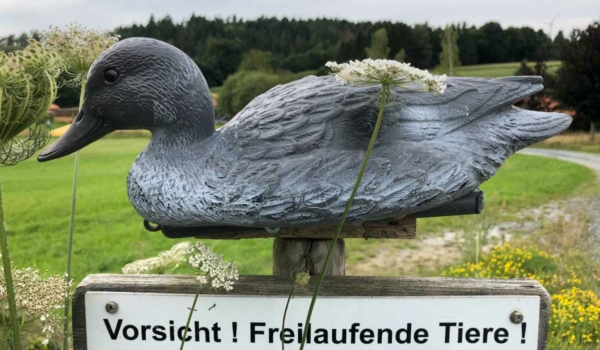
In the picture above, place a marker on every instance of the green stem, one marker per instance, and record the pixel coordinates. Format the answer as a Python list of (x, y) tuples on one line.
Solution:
[(189, 320), (383, 100), (10, 289), (3, 140), (82, 93), (287, 305), (71, 231)]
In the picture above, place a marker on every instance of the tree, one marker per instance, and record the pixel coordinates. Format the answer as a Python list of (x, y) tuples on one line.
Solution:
[(259, 61), (400, 56), (449, 56), (419, 49), (579, 75), (221, 58), (353, 49), (556, 46), (542, 100), (559, 40), (491, 45), (379, 45), (467, 44)]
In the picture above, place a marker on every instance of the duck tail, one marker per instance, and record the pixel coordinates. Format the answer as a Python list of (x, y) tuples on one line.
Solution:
[(513, 128), (517, 128), (510, 130)]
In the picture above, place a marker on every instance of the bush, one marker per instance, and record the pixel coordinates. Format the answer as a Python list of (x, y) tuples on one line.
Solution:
[(242, 87), (542, 101), (575, 321), (505, 262), (578, 76), (576, 317)]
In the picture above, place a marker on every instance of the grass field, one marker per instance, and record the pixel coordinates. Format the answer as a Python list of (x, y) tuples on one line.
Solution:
[(522, 182), (109, 232), (496, 70)]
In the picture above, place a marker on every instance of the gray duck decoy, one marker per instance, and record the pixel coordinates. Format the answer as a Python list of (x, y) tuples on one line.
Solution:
[(291, 156)]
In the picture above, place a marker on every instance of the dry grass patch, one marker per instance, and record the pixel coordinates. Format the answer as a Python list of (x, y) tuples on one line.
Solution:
[(572, 141)]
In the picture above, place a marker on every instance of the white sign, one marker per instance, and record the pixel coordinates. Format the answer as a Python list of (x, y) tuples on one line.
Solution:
[(157, 321)]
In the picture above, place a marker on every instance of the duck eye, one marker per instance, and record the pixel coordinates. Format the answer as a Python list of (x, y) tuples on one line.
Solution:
[(111, 75)]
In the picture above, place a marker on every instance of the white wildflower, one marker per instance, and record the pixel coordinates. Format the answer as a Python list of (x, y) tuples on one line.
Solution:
[(172, 257), (387, 73), (202, 279), (77, 48), (301, 279), (212, 268), (27, 88), (38, 297)]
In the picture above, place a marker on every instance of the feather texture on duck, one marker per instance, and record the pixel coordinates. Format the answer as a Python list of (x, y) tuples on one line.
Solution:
[(290, 158)]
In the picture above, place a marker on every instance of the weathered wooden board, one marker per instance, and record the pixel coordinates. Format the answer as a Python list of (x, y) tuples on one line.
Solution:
[(333, 286)]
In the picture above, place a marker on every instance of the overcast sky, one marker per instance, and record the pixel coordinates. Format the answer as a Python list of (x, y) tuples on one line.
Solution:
[(17, 16)]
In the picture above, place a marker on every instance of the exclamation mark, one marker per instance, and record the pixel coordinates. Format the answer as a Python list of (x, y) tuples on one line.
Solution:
[(523, 331), (234, 327)]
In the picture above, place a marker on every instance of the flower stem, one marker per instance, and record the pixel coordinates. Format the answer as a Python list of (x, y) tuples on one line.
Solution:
[(287, 305), (10, 289), (383, 99), (71, 231), (189, 320)]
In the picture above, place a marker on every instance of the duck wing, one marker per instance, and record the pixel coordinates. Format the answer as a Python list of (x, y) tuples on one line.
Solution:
[(299, 147)]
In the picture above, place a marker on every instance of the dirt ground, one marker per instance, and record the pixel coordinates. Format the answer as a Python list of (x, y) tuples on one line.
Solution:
[(426, 256)]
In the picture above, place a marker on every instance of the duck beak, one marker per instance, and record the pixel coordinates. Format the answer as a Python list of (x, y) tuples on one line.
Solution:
[(81, 133)]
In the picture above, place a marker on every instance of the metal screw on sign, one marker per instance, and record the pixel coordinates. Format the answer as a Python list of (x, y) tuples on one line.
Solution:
[(516, 317), (111, 307)]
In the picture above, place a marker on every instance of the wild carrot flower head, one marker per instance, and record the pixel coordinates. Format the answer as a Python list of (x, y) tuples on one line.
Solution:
[(27, 88), (170, 258), (38, 297), (77, 48), (387, 73), (212, 269)]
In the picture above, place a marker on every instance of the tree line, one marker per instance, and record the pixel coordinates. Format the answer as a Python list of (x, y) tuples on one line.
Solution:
[(219, 45), (244, 58)]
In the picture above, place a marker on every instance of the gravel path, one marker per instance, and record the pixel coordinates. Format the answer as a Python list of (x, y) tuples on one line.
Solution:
[(590, 160)]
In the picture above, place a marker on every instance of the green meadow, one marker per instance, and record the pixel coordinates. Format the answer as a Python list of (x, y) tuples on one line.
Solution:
[(109, 233), (496, 70)]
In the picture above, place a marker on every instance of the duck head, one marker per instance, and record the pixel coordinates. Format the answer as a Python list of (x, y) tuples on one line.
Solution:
[(140, 83)]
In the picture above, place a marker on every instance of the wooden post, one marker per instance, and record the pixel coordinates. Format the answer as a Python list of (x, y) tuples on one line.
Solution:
[(294, 255)]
